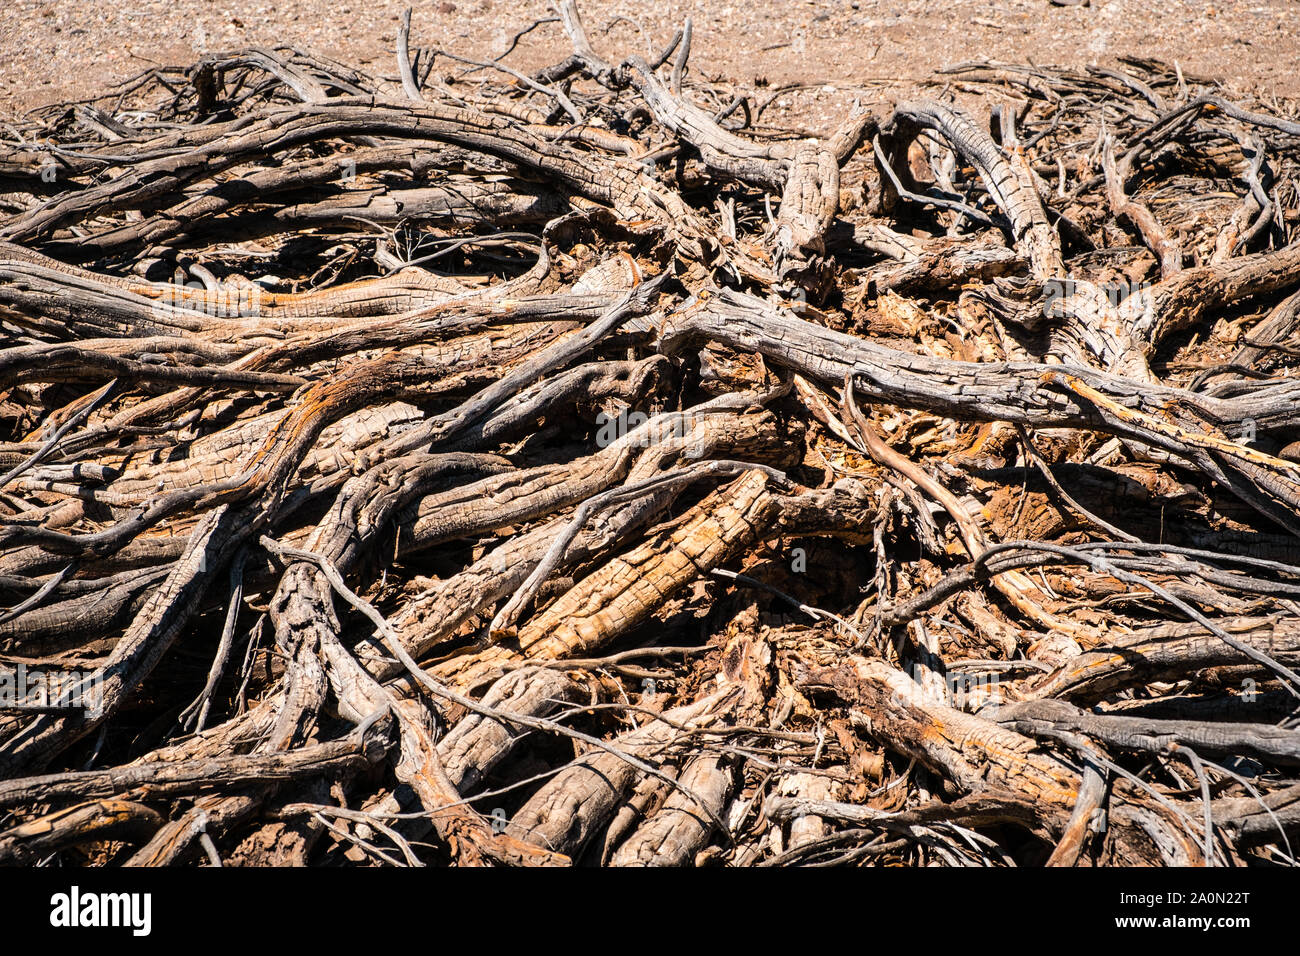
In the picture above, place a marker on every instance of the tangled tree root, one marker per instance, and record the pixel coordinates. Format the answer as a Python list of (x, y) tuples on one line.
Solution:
[(571, 469)]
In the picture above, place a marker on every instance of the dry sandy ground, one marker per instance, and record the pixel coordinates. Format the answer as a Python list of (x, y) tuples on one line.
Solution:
[(56, 51)]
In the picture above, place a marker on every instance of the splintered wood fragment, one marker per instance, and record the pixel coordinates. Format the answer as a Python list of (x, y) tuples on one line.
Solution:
[(681, 827), (566, 812), (625, 591), (478, 743)]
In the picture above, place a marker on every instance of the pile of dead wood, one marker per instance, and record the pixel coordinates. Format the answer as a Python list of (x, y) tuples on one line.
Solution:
[(568, 467)]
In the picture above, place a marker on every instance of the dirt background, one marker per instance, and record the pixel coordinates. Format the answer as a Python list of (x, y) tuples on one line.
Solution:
[(53, 52)]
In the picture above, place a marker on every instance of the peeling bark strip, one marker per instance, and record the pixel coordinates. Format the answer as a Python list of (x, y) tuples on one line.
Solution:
[(578, 469)]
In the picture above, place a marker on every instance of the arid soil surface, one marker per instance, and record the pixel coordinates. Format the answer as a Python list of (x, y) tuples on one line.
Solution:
[(52, 52)]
